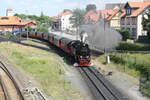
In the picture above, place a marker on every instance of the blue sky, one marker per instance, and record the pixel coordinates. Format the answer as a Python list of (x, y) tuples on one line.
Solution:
[(50, 7)]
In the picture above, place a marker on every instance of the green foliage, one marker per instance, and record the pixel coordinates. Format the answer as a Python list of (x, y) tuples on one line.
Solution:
[(146, 23), (125, 34), (43, 67), (131, 62), (90, 7), (29, 28), (8, 35), (124, 46), (145, 88), (78, 17), (44, 22), (22, 16), (42, 29), (65, 10), (135, 62)]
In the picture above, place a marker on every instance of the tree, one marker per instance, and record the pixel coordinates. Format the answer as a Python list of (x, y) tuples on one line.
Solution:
[(78, 17), (29, 28), (42, 20), (22, 16), (65, 10), (125, 34), (146, 22), (42, 29), (90, 7)]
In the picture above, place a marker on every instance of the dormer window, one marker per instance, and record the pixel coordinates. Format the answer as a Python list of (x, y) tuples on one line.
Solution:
[(4, 18), (128, 11)]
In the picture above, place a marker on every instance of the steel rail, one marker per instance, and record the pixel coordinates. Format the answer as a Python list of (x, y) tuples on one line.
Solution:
[(100, 87), (4, 68), (4, 90)]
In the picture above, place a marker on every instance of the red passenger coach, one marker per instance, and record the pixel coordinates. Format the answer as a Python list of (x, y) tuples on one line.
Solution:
[(78, 50)]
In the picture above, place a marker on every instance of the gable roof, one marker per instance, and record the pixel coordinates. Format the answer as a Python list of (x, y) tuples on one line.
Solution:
[(26, 22), (14, 20), (104, 14), (65, 13), (134, 4), (140, 7), (10, 20)]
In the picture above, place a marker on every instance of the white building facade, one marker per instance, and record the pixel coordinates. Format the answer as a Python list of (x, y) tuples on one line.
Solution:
[(65, 23), (134, 17)]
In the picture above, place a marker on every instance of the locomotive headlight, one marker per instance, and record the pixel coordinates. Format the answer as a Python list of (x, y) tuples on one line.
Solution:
[(81, 57), (87, 56)]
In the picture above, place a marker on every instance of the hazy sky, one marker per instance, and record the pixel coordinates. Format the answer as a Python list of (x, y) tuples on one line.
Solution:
[(50, 7)]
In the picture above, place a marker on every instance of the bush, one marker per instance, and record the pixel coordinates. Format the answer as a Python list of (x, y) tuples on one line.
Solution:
[(145, 88), (125, 34), (131, 62), (132, 47), (8, 35)]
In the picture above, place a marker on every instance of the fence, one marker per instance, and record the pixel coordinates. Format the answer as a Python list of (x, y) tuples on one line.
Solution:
[(134, 62)]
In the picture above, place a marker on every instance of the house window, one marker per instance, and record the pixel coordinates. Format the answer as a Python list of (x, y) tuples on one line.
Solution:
[(118, 22), (134, 21), (122, 28), (134, 32), (128, 29), (128, 21), (122, 21), (128, 11)]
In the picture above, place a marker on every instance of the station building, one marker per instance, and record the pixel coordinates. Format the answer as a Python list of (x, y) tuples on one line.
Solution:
[(14, 23)]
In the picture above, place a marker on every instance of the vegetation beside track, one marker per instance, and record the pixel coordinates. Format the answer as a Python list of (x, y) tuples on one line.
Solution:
[(124, 46), (137, 65), (43, 66)]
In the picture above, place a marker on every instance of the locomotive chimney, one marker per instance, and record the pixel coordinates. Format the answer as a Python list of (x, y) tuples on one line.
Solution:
[(83, 36)]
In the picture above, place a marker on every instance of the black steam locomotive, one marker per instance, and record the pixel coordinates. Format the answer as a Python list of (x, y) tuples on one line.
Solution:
[(77, 49)]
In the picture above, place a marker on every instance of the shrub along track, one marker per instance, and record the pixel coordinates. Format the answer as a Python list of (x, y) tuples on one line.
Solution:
[(100, 87), (9, 89)]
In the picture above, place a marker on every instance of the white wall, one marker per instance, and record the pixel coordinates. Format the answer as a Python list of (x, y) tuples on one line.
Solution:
[(65, 22), (139, 25)]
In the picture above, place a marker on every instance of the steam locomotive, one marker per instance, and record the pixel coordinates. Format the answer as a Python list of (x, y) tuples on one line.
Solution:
[(78, 50)]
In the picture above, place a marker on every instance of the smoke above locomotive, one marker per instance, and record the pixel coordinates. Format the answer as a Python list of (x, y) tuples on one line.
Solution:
[(101, 36)]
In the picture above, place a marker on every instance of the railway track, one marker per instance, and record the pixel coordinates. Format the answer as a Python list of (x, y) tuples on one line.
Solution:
[(9, 89), (100, 87)]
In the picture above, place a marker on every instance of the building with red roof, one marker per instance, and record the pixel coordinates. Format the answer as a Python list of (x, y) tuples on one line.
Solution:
[(62, 21), (111, 17), (132, 19), (14, 23), (65, 20)]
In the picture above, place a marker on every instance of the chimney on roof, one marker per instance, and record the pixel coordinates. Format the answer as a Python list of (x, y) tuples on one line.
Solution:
[(9, 12)]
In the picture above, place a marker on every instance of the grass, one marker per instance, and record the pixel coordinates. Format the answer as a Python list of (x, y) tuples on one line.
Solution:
[(120, 67), (44, 67), (136, 65), (130, 62)]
